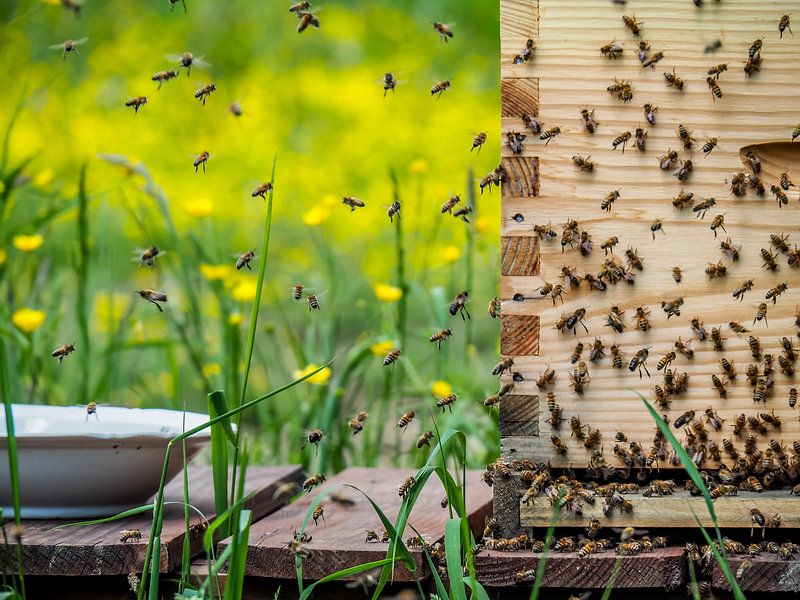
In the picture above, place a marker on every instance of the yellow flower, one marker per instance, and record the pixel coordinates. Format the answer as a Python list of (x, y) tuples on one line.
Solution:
[(27, 243), (382, 348), (215, 272), (316, 216), (43, 178), (235, 319), (387, 293), (2, 256), (451, 253), (28, 319), (199, 208), (245, 291), (482, 224), (211, 369), (441, 389), (320, 378), (418, 166)]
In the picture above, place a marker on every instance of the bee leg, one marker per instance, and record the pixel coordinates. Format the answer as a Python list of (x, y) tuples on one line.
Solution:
[(61, 359), (157, 305), (466, 311)]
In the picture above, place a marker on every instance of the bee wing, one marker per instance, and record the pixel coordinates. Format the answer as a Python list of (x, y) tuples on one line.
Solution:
[(80, 41), (198, 61), (57, 46), (174, 58)]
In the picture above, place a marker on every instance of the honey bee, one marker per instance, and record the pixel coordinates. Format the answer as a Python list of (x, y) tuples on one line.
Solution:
[(714, 270), (677, 274), (389, 82), (576, 354), (201, 160), (441, 336), (559, 446), (757, 519), (550, 134), (713, 419), (606, 205), (738, 184), (532, 123), (729, 250), (686, 137), (68, 46), (612, 49), (306, 19), (780, 196), (262, 190), (614, 319), (742, 289), (461, 213), (698, 329), (632, 24), (795, 133), (313, 481), (546, 378), (91, 409), (406, 419), (673, 80), (459, 305), (356, 424), (769, 260), (792, 397), (315, 436), (787, 366), (353, 202), (650, 113), (545, 232), (585, 245), (597, 352), (313, 302), (494, 308), (715, 89), (709, 146), (153, 298), (639, 362), (136, 103), (657, 225), (394, 210), (719, 385), (684, 419), (684, 171), (641, 141), (425, 439), (526, 54), (505, 389), (783, 25), (204, 92), (617, 360), (130, 535), (701, 208), (163, 76), (667, 159), (666, 360), (300, 7), (779, 241), (587, 118), (63, 351), (575, 319), (761, 314), (439, 88), (478, 141), (583, 164), (391, 357), (570, 278), (684, 348), (405, 487), (319, 513), (621, 89), (652, 60), (446, 402), (642, 321), (621, 140), (753, 65), (643, 51), (753, 160), (633, 259), (789, 348), (245, 259), (683, 200)]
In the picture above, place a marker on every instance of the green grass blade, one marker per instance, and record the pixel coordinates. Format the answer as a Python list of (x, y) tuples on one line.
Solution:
[(551, 528), (612, 578), (437, 580), (219, 520), (723, 563), (83, 304), (477, 589), (345, 573), (452, 552), (219, 455), (217, 400), (235, 581), (693, 581), (123, 515)]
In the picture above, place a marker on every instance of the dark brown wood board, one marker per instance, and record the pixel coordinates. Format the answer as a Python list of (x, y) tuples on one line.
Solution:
[(339, 541), (97, 550), (767, 573)]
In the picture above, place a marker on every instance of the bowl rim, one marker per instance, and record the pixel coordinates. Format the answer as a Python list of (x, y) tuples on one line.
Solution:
[(62, 439)]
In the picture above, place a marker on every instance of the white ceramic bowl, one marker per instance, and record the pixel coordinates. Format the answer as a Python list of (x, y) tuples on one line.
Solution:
[(73, 467)]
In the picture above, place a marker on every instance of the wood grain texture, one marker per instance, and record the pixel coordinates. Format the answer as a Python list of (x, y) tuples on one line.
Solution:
[(519, 255), (338, 542), (519, 335), (519, 18), (757, 112), (96, 549), (767, 573), (520, 96), (522, 175), (660, 569), (519, 415)]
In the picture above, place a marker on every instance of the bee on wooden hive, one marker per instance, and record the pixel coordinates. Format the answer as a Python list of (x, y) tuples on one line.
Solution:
[(761, 314), (459, 305), (677, 274), (752, 65), (780, 196), (755, 346), (405, 487), (550, 134), (555, 419), (787, 365), (709, 146), (614, 319), (494, 308), (575, 319), (769, 260), (612, 49), (686, 137), (633, 259), (643, 51), (478, 141), (578, 382), (753, 161), (784, 24), (684, 171), (714, 270), (205, 92), (757, 519), (650, 113), (621, 140), (673, 80), (738, 184), (153, 298), (717, 70), (666, 360), (440, 87), (666, 160), (621, 89), (701, 208), (641, 139), (607, 203), (353, 202), (729, 249), (130, 535), (639, 362), (651, 61), (719, 385), (525, 54), (744, 288), (795, 133), (532, 123), (698, 329), (587, 119), (632, 24), (515, 140), (597, 352), (657, 225), (788, 348), (585, 245)]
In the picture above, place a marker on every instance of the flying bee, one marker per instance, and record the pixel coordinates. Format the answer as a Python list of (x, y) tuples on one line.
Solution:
[(684, 171), (719, 385), (392, 357), (677, 274), (502, 366), (443, 30), (494, 308), (666, 160), (153, 298), (621, 140), (666, 360), (612, 49), (297, 291), (353, 202), (714, 88), (462, 213), (673, 80), (205, 92), (657, 225), (515, 140), (439, 88), (136, 103), (642, 321), (729, 250), (632, 24), (641, 141), (755, 346), (201, 160), (783, 25), (743, 289), (441, 336), (446, 402), (709, 146), (686, 137), (425, 439), (650, 113), (389, 82), (714, 270), (761, 314), (406, 419), (639, 362), (652, 60), (313, 302), (448, 206), (507, 388), (68, 46), (490, 401), (405, 487), (550, 134), (356, 424), (315, 436), (262, 190), (532, 123), (583, 164), (163, 76), (245, 259), (305, 20), (394, 210), (769, 260), (459, 305), (587, 118), (478, 141), (780, 196), (130, 535), (698, 329), (313, 481), (319, 513), (526, 53)]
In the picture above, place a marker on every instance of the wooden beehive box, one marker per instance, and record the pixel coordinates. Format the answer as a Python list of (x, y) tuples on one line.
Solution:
[(567, 72)]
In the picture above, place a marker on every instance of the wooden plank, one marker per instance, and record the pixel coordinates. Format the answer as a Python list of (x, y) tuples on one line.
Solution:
[(519, 335), (519, 18), (519, 415), (520, 97), (339, 541), (767, 573), (97, 550), (661, 569), (672, 511), (522, 176), (519, 255)]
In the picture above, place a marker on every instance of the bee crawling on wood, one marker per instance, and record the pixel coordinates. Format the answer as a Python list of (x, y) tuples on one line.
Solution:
[(587, 118), (550, 134), (673, 80), (657, 225), (130, 535), (632, 24), (714, 88), (684, 171), (650, 113), (526, 53), (621, 89), (532, 123), (709, 146), (639, 362), (405, 487), (515, 140), (494, 308), (621, 140), (666, 160), (652, 60), (612, 49), (583, 164), (717, 70), (643, 52), (784, 24), (641, 139)]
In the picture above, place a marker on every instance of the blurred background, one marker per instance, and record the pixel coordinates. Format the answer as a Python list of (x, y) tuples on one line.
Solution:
[(69, 274)]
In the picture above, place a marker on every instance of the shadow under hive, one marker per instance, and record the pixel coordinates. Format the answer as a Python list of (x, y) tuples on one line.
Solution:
[(565, 73)]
